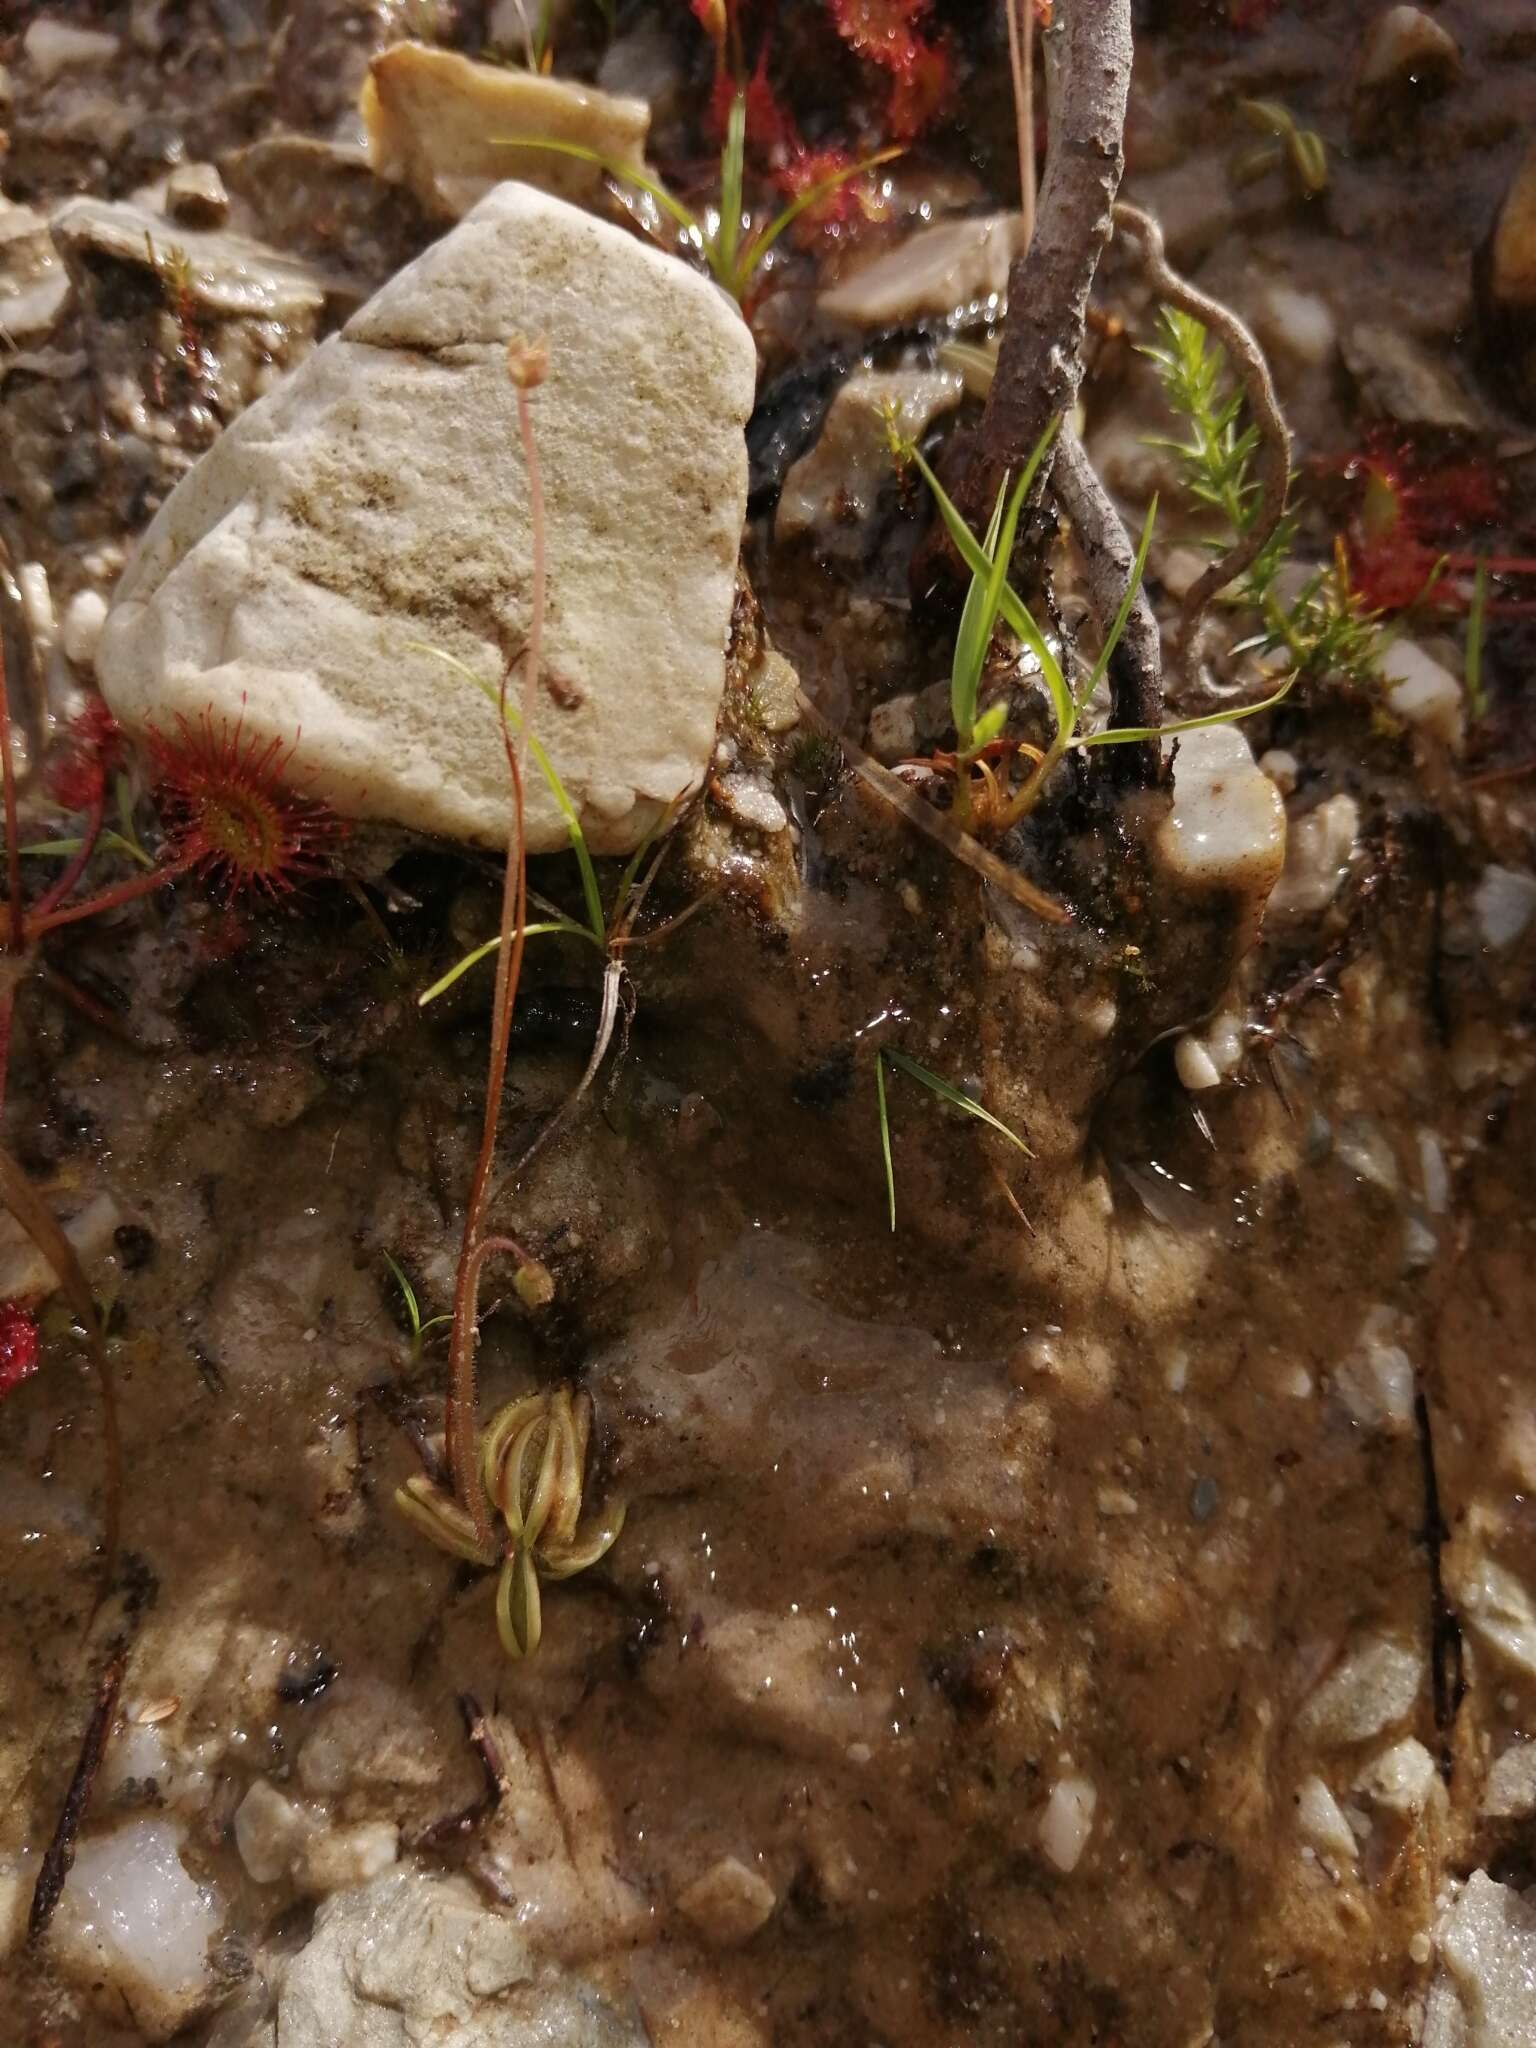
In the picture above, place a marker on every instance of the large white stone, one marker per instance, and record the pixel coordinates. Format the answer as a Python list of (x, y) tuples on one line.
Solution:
[(378, 498)]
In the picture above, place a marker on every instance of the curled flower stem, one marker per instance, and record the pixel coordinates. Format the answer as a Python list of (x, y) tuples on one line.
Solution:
[(58, 891)]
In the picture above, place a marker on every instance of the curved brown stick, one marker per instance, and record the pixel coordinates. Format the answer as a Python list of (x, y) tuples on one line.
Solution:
[(1040, 362), (1136, 666), (1247, 360)]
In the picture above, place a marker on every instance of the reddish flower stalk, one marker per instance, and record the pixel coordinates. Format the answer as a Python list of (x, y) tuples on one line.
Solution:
[(527, 367)]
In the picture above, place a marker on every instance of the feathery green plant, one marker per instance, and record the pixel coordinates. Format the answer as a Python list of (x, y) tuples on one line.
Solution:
[(1324, 629), (716, 238), (945, 1091)]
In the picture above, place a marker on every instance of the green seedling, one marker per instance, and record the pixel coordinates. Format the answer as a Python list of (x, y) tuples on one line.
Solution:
[(1300, 152), (419, 1329), (945, 1091), (722, 239)]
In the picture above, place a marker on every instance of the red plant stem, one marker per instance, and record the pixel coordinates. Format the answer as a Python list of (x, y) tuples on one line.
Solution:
[(109, 899), (76, 867), (459, 1416), (16, 937), (1021, 62)]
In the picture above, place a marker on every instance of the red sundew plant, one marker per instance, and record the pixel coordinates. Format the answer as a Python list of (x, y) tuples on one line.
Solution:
[(1412, 523), (18, 1346), (228, 814), (891, 34)]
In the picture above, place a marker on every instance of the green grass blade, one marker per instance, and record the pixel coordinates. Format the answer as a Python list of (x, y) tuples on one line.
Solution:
[(732, 163), (1477, 698), (1123, 735), (621, 174), (591, 894), (1012, 606), (567, 925), (955, 1097), (885, 1137), (974, 635), (823, 188), (631, 867), (407, 1295), (1107, 652)]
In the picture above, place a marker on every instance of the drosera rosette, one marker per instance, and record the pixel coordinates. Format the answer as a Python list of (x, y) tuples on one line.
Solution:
[(533, 1458), (230, 812)]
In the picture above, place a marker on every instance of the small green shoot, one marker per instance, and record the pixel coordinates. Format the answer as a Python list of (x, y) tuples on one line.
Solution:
[(1300, 152), (945, 1091), (1476, 692), (716, 238), (412, 1307)]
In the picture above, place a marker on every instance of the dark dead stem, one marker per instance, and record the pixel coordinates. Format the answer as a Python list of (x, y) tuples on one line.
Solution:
[(60, 1853), (1040, 362), (1447, 1677), (37, 1220), (1109, 558), (453, 1827)]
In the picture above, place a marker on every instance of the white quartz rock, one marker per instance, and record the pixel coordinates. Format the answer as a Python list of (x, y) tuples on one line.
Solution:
[(1505, 902), (1510, 1793), (932, 270), (377, 499), (50, 47), (1499, 1610), (833, 489), (1423, 692), (1067, 1821), (270, 1830), (1321, 1821), (132, 1920), (1226, 830), (1487, 1944), (441, 123), (410, 1960), (1402, 1779), (1373, 1686), (1322, 844)]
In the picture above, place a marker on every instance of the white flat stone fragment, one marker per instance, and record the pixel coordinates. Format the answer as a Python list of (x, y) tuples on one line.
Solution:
[(1226, 829), (1374, 1685), (833, 490), (270, 1830), (377, 500), (1321, 846), (1499, 1611), (49, 47), (440, 123), (1321, 1822), (227, 275), (932, 270), (1487, 1944), (1510, 1793), (133, 1921), (1422, 691)]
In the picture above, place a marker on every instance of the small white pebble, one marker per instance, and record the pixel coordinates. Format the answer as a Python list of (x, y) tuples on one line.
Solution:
[(1194, 1066), (1067, 1821), (1114, 1500), (37, 603), (1420, 1948), (1505, 901), (84, 616), (1176, 1378), (1283, 769)]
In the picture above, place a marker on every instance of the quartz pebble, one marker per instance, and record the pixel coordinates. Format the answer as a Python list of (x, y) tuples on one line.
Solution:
[(1321, 1821), (257, 597), (1067, 1822), (1422, 692), (1510, 1792), (936, 269), (84, 616), (728, 1903), (1374, 1685)]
